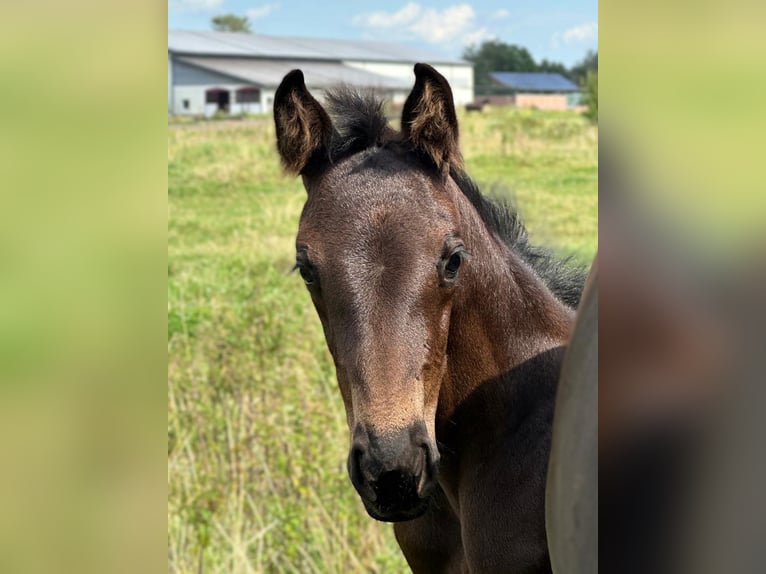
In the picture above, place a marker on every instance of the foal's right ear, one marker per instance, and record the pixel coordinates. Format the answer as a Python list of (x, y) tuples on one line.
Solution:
[(304, 129), (429, 121)]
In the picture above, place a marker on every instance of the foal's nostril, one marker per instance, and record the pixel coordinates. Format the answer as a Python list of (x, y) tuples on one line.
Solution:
[(395, 472), (356, 461), (358, 477)]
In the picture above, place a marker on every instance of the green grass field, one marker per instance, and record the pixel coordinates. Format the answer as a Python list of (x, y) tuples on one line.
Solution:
[(257, 439)]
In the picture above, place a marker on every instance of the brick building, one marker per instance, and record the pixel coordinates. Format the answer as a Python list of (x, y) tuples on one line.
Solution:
[(533, 90)]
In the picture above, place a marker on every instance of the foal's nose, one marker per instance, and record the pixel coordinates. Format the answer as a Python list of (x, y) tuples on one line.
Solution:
[(393, 470)]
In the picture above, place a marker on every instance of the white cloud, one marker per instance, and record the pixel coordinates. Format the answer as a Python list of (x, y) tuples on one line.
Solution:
[(407, 15), (437, 26), (262, 11), (194, 5), (582, 33), (478, 36), (430, 24), (501, 14)]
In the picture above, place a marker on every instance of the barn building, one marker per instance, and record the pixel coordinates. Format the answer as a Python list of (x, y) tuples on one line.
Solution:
[(228, 72), (539, 90)]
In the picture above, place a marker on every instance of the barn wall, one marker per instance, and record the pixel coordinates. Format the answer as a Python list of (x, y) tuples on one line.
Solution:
[(392, 70), (190, 83), (246, 108), (460, 77), (398, 97), (196, 97), (542, 101), (170, 84), (267, 100)]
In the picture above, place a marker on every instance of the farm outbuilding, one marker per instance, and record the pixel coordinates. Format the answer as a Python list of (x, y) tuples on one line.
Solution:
[(540, 90), (228, 72)]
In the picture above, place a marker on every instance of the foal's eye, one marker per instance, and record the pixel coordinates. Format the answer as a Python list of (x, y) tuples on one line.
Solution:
[(452, 265), (306, 275)]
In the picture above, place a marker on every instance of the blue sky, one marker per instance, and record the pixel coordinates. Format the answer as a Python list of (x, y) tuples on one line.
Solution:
[(556, 30)]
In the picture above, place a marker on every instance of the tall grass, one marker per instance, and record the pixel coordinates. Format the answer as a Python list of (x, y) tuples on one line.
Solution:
[(257, 437)]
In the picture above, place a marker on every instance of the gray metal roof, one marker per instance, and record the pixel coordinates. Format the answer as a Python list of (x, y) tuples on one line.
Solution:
[(269, 73), (199, 43), (534, 82)]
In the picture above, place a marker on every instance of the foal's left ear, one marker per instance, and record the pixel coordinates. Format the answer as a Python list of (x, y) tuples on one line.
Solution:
[(429, 121), (304, 130)]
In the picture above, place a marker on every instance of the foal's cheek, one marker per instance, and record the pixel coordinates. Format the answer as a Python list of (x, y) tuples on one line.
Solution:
[(325, 324), (436, 358), (343, 384), (345, 393), (441, 330)]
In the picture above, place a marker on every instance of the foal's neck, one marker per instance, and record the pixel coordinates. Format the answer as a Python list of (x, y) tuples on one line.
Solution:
[(502, 316)]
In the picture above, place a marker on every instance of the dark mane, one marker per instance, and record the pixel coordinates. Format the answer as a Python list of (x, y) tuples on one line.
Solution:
[(360, 123), (563, 276)]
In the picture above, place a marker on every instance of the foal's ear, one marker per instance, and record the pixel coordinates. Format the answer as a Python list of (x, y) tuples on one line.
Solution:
[(429, 121), (303, 127)]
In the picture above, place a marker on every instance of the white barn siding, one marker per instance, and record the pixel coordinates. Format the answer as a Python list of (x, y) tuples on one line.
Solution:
[(195, 95), (170, 84), (267, 99), (191, 83), (460, 77), (392, 70)]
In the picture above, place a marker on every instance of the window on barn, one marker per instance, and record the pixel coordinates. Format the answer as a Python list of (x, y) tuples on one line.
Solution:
[(219, 97), (186, 104), (213, 95), (248, 95)]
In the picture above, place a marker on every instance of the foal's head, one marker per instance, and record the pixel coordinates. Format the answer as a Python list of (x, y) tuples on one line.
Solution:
[(380, 251)]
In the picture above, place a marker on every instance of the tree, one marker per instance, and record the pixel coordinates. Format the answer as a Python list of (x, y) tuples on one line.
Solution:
[(589, 88), (231, 23), (553, 68), (496, 56), (589, 63)]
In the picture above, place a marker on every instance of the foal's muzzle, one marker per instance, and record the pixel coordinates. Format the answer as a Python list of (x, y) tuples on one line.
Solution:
[(394, 473)]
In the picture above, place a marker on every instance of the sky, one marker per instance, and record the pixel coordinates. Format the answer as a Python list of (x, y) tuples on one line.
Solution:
[(561, 31)]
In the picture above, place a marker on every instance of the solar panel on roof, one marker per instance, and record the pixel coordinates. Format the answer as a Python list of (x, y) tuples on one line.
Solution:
[(534, 82)]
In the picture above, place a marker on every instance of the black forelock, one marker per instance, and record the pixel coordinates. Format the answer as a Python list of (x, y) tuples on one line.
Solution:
[(360, 123)]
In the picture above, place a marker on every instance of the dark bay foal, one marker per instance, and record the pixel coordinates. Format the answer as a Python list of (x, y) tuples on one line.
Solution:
[(446, 327)]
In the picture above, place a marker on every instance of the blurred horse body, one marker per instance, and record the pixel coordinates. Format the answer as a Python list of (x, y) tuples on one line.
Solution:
[(446, 327)]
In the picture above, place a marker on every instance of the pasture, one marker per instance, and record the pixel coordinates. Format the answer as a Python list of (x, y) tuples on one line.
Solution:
[(257, 438)]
